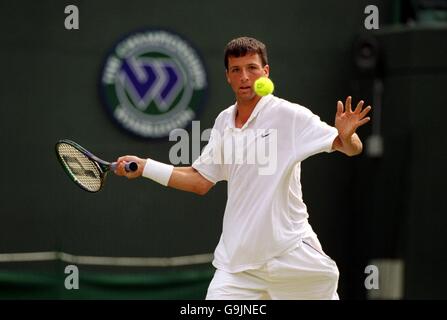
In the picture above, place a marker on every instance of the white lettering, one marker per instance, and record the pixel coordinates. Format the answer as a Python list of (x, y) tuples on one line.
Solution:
[(372, 280), (72, 20), (372, 20), (72, 280)]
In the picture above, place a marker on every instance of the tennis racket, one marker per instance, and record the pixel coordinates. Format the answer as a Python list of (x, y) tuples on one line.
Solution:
[(85, 169)]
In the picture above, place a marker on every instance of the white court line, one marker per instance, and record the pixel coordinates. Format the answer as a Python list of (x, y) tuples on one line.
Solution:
[(108, 261)]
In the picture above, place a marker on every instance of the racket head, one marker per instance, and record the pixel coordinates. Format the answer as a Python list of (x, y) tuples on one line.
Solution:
[(81, 166)]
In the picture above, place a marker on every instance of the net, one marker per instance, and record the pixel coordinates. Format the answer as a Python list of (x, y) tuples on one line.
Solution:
[(80, 168)]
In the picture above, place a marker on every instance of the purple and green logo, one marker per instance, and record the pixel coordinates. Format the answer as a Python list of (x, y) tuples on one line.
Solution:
[(153, 82)]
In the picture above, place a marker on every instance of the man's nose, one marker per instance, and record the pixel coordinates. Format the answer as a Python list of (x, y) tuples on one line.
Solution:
[(244, 75)]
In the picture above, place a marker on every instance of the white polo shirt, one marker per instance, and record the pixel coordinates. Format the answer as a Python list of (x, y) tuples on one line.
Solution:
[(265, 215)]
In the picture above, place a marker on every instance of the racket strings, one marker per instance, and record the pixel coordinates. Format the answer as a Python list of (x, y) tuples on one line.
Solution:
[(82, 170)]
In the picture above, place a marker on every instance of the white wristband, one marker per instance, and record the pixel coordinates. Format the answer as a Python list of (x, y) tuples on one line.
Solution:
[(157, 171)]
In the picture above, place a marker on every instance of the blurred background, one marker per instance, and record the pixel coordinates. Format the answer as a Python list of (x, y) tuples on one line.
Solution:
[(139, 240)]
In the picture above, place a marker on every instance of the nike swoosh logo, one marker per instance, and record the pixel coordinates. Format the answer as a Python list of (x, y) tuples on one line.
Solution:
[(265, 135)]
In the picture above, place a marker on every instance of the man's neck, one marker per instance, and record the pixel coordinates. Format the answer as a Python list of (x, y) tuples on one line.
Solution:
[(244, 110)]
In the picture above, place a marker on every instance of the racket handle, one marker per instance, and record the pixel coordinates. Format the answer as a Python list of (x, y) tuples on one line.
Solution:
[(129, 166)]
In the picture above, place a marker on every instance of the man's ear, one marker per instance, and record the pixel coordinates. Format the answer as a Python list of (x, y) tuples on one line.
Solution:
[(266, 70), (226, 76)]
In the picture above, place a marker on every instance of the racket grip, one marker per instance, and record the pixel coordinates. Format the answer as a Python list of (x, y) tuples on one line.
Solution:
[(129, 166)]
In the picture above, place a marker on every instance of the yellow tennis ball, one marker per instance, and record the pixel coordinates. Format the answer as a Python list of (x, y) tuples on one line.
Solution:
[(263, 86)]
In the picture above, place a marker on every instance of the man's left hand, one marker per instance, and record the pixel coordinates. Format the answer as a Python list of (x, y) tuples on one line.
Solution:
[(347, 121)]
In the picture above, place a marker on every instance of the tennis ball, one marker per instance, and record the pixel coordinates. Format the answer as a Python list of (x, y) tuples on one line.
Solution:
[(263, 86)]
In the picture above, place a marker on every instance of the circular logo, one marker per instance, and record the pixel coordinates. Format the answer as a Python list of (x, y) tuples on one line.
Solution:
[(153, 82)]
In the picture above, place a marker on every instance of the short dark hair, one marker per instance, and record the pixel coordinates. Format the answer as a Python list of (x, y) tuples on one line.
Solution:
[(239, 47)]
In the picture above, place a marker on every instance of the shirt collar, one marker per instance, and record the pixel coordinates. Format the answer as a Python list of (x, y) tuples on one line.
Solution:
[(259, 106)]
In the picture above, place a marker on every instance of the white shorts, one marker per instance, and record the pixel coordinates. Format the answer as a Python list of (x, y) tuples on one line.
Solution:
[(304, 273)]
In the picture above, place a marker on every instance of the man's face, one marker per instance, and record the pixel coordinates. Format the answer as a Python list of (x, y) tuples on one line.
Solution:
[(243, 72)]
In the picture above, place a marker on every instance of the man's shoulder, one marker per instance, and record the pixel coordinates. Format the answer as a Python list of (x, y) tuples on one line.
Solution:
[(288, 108), (227, 112), (224, 115)]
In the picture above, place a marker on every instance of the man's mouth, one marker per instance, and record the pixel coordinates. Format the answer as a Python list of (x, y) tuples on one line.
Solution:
[(245, 87)]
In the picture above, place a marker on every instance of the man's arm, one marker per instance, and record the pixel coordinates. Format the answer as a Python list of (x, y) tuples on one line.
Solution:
[(347, 122), (352, 147), (182, 178), (189, 179)]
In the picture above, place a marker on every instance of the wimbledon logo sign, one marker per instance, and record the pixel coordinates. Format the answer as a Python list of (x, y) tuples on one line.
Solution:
[(153, 82)]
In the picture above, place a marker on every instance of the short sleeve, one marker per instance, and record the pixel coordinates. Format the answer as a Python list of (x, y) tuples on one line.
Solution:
[(210, 162), (312, 135)]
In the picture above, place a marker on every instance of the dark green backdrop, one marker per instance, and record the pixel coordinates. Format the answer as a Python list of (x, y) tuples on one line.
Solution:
[(49, 90)]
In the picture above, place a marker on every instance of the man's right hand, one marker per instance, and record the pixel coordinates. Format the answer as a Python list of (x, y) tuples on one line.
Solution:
[(120, 171)]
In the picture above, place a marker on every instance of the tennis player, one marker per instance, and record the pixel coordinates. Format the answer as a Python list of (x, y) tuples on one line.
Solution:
[(267, 249)]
